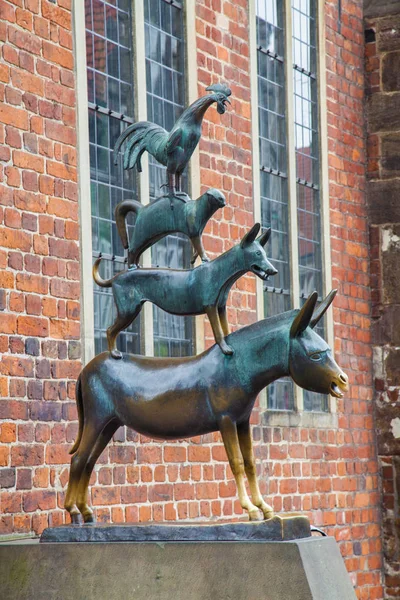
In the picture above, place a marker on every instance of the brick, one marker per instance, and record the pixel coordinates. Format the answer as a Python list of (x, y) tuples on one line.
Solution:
[(7, 478), (8, 323), (24, 40), (28, 161), (60, 133), (56, 14), (27, 455), (24, 19), (39, 500), (33, 326), (32, 283), (58, 55), (9, 115)]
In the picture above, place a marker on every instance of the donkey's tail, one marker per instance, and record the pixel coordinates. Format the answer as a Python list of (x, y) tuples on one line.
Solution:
[(121, 210), (79, 405), (101, 282)]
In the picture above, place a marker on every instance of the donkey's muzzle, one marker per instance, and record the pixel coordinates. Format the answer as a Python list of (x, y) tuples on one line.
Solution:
[(339, 385)]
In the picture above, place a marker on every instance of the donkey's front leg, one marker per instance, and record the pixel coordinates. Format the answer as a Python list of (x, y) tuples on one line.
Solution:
[(212, 314), (246, 447), (231, 442)]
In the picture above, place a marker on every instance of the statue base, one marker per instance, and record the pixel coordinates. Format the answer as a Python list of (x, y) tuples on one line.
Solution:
[(306, 569), (280, 528)]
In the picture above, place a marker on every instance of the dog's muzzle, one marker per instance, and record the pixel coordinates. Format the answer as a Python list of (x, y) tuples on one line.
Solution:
[(264, 275)]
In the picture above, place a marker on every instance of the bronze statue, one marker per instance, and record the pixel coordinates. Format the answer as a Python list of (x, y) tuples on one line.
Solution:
[(164, 216), (175, 398), (172, 149), (196, 291)]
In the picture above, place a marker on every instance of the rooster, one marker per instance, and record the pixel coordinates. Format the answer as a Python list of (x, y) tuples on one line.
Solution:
[(173, 149)]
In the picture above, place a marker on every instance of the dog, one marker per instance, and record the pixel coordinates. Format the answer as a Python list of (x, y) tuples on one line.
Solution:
[(203, 289), (163, 216)]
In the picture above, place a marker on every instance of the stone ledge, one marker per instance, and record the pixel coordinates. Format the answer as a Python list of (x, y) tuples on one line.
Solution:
[(279, 528)]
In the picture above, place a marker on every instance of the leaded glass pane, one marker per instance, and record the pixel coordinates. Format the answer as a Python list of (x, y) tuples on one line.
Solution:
[(164, 47), (307, 163), (109, 61), (273, 179)]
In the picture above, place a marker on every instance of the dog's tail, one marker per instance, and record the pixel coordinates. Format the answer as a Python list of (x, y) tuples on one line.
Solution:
[(79, 406), (101, 282), (121, 210)]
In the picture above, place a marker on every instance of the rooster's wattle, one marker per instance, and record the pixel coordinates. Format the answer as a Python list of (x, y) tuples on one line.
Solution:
[(172, 149)]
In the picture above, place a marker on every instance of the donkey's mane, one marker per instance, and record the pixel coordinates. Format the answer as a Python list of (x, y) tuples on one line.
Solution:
[(260, 327)]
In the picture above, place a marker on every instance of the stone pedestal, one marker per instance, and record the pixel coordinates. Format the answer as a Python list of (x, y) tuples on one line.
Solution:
[(306, 569)]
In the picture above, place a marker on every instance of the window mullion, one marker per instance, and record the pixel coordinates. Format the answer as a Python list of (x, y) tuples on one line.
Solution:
[(194, 164), (291, 158), (85, 215), (144, 187), (255, 141)]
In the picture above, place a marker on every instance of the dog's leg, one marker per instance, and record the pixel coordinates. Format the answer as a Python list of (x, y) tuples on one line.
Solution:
[(121, 322), (212, 314), (223, 320), (199, 250)]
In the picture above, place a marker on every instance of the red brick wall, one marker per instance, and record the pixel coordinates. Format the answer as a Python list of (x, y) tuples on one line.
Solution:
[(355, 483), (39, 260), (331, 474), (225, 147)]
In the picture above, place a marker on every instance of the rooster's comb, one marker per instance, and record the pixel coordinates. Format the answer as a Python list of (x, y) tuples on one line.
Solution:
[(219, 87)]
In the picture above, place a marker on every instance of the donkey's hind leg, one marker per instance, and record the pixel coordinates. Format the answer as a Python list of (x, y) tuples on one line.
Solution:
[(103, 437), (78, 462), (70, 497)]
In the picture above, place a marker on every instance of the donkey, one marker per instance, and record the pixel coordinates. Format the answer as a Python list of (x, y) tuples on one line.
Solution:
[(196, 291), (164, 216), (175, 398)]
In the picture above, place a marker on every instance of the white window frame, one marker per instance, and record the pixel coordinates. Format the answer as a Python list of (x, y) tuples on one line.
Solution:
[(298, 415), (85, 216)]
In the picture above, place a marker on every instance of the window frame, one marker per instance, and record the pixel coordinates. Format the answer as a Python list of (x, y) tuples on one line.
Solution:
[(297, 415), (143, 183)]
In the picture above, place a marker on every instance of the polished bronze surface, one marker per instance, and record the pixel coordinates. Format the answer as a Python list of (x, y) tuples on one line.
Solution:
[(172, 149), (174, 398), (165, 215), (196, 291)]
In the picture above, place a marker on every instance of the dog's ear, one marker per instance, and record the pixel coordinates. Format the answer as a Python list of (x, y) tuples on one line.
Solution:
[(264, 237), (250, 235)]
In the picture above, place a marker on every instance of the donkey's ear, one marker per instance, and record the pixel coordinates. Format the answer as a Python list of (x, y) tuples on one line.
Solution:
[(304, 317), (264, 237), (250, 235), (322, 308)]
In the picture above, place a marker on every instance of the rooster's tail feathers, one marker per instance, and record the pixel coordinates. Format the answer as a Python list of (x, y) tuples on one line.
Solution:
[(135, 147), (140, 128)]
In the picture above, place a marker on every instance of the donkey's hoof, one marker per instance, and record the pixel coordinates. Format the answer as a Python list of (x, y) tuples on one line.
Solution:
[(254, 514), (205, 258), (226, 349), (89, 519), (76, 519), (268, 514), (116, 354)]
